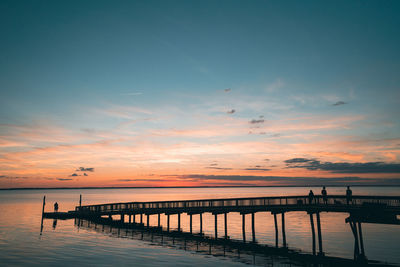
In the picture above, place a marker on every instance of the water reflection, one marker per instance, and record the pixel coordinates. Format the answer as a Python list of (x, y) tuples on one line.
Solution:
[(248, 253)]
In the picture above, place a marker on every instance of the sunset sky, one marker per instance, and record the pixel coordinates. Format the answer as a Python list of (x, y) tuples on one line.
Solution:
[(193, 93)]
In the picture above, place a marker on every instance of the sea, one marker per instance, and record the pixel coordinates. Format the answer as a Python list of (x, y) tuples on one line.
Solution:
[(65, 243)]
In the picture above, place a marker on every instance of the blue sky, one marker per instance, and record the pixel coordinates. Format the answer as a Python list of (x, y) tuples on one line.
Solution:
[(155, 72)]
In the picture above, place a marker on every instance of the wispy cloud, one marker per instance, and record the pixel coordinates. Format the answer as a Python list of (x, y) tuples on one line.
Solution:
[(339, 103), (256, 169), (276, 85), (231, 111), (83, 169), (343, 167), (299, 181), (218, 168), (254, 121)]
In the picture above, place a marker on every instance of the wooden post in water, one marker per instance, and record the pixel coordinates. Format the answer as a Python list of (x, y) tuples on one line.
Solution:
[(148, 220), (361, 240), (244, 227), (353, 227), (159, 220), (41, 224), (130, 218), (80, 200), (283, 230), (226, 224), (276, 231), (201, 223), (141, 218), (167, 222), (134, 218), (319, 234), (44, 204), (179, 222), (190, 215), (216, 225), (313, 233), (253, 230), (122, 217)]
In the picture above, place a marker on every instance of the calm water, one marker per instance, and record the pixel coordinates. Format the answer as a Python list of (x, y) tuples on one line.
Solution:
[(65, 245)]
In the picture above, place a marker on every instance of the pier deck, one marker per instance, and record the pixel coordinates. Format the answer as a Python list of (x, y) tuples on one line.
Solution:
[(361, 209)]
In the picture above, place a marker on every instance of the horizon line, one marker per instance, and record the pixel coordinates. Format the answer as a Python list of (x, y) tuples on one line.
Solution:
[(221, 186)]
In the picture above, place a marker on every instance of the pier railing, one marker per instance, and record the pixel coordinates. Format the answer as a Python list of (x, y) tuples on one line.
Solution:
[(333, 200)]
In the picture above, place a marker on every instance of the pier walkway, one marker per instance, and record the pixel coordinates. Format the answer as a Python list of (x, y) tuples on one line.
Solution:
[(361, 209)]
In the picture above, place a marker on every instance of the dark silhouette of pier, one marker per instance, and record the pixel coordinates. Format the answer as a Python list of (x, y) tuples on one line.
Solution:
[(361, 209)]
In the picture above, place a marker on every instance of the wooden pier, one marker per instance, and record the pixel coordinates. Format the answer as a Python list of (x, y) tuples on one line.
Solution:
[(361, 209)]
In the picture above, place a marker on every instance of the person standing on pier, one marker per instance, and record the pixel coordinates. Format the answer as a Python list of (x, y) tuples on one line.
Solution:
[(56, 207), (349, 195), (310, 197), (324, 195)]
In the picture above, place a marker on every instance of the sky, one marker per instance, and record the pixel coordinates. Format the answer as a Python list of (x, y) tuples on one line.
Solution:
[(199, 93)]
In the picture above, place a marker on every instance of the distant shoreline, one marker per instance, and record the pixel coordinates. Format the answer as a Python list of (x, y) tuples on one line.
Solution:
[(161, 187)]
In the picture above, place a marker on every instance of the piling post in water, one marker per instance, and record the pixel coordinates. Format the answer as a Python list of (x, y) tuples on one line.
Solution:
[(276, 231), (148, 220), (190, 215), (122, 217), (244, 227), (130, 218), (44, 204), (216, 225), (141, 218), (201, 223), (253, 230), (179, 222), (313, 233), (319, 234), (159, 220), (283, 230), (226, 224), (41, 224), (167, 222), (361, 240), (80, 200), (356, 246), (134, 218)]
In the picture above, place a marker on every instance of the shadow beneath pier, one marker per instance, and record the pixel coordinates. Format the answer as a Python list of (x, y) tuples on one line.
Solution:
[(248, 253)]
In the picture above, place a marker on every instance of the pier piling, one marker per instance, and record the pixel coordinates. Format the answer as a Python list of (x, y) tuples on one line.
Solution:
[(244, 227), (319, 234), (179, 222), (190, 215), (283, 230), (226, 224), (201, 223), (313, 233), (276, 231), (253, 230), (216, 225)]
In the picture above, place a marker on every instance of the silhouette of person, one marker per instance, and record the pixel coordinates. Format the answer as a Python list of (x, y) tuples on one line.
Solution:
[(56, 207), (349, 195), (310, 197), (324, 195)]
